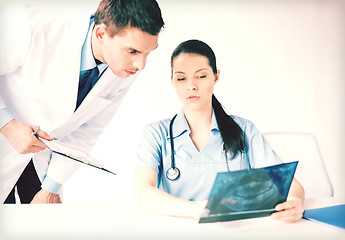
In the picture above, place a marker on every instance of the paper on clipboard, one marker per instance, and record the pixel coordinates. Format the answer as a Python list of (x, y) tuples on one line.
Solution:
[(73, 154)]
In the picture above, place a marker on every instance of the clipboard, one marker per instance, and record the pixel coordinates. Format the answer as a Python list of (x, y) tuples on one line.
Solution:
[(248, 193), (73, 154)]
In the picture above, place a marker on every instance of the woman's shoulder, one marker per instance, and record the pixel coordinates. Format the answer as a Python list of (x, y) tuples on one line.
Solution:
[(160, 127), (244, 123), (241, 121)]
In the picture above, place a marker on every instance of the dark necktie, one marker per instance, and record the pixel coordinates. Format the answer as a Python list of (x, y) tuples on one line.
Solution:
[(87, 79)]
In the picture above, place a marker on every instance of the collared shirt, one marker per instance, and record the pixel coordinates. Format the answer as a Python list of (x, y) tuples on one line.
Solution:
[(198, 169), (87, 62), (87, 59), (5, 117)]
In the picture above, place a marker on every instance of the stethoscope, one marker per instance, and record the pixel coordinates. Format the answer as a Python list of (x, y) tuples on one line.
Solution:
[(173, 172)]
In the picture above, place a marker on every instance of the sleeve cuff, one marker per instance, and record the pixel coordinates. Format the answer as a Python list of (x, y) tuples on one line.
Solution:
[(5, 117), (50, 185)]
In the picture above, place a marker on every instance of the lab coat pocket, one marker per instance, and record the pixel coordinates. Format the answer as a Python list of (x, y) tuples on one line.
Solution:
[(91, 109), (83, 114)]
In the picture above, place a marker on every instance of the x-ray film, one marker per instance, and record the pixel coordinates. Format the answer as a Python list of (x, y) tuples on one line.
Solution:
[(248, 193)]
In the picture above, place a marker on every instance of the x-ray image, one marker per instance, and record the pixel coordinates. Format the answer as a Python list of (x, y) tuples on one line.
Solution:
[(248, 193)]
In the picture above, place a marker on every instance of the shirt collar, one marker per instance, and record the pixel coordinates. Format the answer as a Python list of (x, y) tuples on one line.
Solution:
[(87, 60), (180, 125), (214, 124)]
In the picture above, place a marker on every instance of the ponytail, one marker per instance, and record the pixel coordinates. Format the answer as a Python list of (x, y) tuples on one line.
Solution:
[(232, 134)]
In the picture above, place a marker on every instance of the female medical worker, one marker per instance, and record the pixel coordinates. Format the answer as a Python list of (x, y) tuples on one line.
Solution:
[(201, 130)]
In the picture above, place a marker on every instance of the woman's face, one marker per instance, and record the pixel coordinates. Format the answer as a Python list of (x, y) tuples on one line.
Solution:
[(194, 81)]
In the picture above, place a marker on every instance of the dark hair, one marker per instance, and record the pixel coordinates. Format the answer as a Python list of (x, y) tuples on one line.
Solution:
[(118, 14), (232, 134)]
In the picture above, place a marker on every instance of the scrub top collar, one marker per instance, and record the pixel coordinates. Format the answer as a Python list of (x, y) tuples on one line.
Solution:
[(180, 125)]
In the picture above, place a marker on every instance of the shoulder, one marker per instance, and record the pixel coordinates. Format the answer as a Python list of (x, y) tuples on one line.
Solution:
[(57, 21), (159, 128), (155, 132), (247, 126), (242, 122)]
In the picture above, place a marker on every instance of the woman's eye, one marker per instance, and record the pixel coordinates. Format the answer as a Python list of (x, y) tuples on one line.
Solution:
[(180, 79), (132, 51), (202, 76)]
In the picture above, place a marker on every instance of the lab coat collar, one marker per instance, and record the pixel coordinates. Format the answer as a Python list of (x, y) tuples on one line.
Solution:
[(87, 60)]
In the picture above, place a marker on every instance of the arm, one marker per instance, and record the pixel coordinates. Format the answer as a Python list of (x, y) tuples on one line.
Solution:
[(15, 41), (83, 137), (148, 197), (291, 210), (259, 149)]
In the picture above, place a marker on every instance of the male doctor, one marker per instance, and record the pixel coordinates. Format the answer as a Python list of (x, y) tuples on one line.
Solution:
[(67, 76)]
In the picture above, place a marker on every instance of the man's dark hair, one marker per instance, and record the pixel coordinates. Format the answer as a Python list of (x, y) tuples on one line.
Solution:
[(118, 14)]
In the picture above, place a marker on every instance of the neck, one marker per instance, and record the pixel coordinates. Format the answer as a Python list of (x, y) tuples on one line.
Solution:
[(95, 48), (199, 120), (200, 125)]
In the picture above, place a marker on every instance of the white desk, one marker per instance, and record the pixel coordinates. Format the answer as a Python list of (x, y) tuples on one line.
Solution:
[(123, 221)]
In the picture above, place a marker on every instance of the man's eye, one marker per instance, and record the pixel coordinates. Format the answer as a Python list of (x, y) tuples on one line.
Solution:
[(180, 79)]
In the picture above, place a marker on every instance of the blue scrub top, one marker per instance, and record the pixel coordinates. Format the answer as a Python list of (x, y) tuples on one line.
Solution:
[(198, 170)]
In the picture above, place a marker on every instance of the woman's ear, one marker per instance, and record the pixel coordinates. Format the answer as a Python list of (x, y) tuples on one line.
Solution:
[(216, 76)]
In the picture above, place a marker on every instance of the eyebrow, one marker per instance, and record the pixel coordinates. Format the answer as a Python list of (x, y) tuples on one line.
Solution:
[(202, 69), (133, 49)]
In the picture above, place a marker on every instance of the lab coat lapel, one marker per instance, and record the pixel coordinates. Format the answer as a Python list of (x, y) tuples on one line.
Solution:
[(93, 103)]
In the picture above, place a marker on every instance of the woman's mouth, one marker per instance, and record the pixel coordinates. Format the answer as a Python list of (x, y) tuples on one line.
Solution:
[(193, 98)]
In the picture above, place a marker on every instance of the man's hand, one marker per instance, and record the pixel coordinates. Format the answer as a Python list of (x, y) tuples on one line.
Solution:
[(289, 211), (20, 135), (44, 196)]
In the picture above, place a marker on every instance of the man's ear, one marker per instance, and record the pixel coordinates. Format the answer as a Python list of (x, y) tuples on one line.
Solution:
[(100, 31)]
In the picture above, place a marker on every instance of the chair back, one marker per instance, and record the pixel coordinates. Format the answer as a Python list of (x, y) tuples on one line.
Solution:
[(311, 171)]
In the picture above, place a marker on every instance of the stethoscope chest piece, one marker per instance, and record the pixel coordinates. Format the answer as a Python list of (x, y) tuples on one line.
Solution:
[(173, 173)]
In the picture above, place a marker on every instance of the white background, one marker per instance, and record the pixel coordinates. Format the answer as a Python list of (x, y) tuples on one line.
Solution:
[(282, 67)]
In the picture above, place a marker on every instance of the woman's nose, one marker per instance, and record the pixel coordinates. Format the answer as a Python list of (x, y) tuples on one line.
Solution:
[(192, 86)]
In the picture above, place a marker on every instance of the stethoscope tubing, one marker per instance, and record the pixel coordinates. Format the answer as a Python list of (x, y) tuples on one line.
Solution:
[(173, 172)]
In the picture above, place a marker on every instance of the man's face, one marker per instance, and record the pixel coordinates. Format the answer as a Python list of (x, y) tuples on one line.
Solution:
[(125, 53)]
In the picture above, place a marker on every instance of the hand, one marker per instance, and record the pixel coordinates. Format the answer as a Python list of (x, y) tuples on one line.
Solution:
[(20, 135), (43, 196), (199, 208), (290, 211)]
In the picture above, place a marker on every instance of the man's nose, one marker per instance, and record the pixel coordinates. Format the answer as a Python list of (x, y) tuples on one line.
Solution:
[(140, 63)]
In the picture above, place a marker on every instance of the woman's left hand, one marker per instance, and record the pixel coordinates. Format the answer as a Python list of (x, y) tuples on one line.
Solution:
[(290, 211)]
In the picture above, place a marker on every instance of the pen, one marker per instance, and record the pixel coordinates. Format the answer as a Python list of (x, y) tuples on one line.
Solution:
[(35, 132)]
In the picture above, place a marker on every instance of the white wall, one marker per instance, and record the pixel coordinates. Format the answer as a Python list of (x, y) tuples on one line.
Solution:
[(282, 67)]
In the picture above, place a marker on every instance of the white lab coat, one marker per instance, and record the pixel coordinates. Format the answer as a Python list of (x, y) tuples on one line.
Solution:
[(39, 76)]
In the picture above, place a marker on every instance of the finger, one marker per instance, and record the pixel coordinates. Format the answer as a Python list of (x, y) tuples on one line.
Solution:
[(287, 216), (37, 144), (44, 135), (32, 149), (285, 205)]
